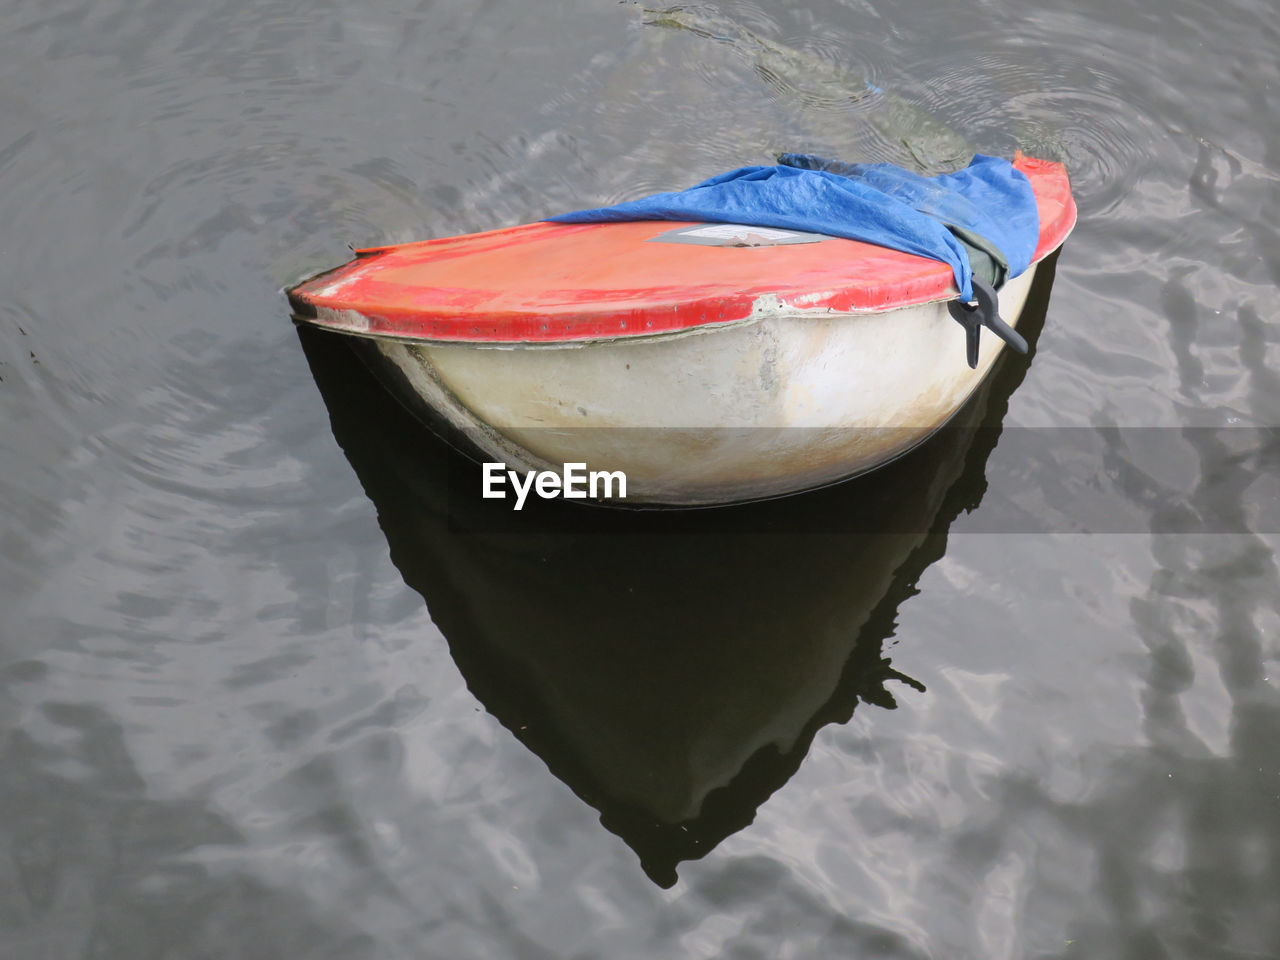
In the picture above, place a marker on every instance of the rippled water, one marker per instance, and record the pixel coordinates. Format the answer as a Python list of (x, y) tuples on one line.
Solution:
[(231, 727)]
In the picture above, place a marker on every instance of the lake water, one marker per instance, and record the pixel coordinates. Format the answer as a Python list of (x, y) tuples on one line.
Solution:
[(270, 687)]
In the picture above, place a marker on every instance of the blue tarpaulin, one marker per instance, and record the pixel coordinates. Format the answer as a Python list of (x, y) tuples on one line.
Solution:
[(988, 204)]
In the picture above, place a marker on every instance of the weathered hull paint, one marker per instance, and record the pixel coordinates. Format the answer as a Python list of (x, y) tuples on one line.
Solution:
[(786, 401)]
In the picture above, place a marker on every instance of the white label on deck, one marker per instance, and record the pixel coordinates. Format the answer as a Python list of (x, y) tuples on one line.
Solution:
[(735, 235)]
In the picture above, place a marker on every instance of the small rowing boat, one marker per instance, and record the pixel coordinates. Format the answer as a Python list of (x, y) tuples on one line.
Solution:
[(708, 362)]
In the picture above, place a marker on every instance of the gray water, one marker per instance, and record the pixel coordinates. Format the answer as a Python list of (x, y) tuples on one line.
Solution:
[(270, 688)]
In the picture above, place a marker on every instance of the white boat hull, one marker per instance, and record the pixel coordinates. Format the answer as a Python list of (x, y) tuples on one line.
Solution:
[(780, 402)]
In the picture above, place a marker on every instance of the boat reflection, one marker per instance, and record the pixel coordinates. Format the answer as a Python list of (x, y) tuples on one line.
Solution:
[(671, 668)]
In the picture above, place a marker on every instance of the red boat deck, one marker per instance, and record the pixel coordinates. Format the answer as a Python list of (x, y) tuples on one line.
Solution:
[(549, 282)]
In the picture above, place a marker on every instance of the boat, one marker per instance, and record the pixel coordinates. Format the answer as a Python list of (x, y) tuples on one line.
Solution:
[(621, 647), (708, 363)]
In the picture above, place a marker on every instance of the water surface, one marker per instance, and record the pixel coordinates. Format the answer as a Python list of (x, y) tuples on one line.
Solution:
[(265, 693)]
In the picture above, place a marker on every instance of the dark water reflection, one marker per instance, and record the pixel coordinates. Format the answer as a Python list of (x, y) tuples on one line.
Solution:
[(672, 669), (228, 728)]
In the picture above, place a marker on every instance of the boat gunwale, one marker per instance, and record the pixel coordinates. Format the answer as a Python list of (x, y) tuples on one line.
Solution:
[(349, 321), (333, 325)]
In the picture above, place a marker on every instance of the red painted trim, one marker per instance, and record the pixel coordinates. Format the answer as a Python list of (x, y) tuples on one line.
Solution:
[(549, 283)]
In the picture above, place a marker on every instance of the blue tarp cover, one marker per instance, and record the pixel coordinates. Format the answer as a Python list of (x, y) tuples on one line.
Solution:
[(875, 202)]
